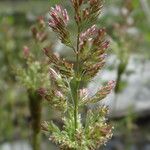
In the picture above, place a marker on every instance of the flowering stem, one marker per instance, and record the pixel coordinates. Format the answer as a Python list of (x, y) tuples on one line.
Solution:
[(77, 80), (85, 68)]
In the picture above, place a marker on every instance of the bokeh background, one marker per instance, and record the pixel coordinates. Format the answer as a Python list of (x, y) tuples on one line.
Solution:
[(128, 62)]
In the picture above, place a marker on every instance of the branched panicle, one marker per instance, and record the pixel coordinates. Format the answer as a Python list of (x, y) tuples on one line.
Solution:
[(67, 94)]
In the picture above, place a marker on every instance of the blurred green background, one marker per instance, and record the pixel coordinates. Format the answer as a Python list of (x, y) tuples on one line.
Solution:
[(128, 28)]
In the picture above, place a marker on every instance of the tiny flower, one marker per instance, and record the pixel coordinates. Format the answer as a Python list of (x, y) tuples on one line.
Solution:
[(54, 74), (41, 22), (26, 51), (101, 32), (42, 92), (87, 36), (112, 83), (41, 36), (59, 94), (105, 44), (88, 33), (34, 32), (102, 57), (38, 30), (44, 126), (107, 89), (83, 93)]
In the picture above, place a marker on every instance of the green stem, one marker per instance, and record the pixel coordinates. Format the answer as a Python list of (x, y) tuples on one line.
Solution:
[(35, 102), (77, 82)]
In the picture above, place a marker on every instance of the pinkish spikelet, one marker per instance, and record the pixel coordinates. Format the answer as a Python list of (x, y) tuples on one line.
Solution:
[(58, 22), (26, 51), (111, 84), (58, 16), (83, 93), (88, 33), (42, 92), (105, 44), (108, 88)]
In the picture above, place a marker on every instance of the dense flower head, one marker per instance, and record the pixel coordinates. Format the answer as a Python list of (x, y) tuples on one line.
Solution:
[(86, 10), (88, 33), (58, 22), (92, 48), (94, 36), (59, 16)]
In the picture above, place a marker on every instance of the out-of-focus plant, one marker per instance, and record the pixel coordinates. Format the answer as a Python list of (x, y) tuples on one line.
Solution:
[(128, 124), (8, 89), (7, 46), (68, 94), (123, 39), (33, 75), (145, 7)]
